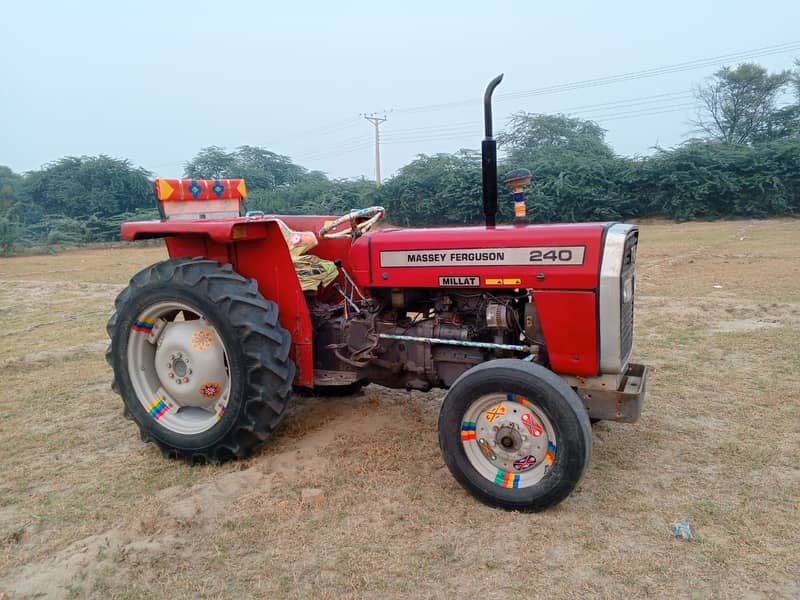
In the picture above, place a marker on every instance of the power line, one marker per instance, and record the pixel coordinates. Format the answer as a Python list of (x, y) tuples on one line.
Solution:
[(473, 125), (611, 79), (462, 129)]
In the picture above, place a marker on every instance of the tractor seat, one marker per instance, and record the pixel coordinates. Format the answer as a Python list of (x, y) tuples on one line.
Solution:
[(312, 271)]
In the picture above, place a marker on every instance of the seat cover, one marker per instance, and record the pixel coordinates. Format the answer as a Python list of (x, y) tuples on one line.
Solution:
[(312, 271)]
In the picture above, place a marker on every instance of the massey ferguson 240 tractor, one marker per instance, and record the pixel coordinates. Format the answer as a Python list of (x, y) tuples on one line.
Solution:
[(528, 327)]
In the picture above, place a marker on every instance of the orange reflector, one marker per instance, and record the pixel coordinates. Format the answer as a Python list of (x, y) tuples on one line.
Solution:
[(239, 232), (503, 282)]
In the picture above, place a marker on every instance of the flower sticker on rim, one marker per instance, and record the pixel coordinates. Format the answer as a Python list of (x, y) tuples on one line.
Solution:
[(201, 339), (210, 390)]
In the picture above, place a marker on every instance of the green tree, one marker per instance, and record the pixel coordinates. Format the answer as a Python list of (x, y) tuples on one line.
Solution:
[(575, 172), (260, 168), (76, 187), (739, 105), (10, 185), (439, 189), (529, 136)]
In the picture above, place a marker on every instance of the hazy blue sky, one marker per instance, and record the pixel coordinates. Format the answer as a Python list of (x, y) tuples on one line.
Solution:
[(155, 82)]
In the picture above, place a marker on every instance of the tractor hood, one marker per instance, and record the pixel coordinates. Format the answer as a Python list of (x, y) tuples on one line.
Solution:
[(532, 256)]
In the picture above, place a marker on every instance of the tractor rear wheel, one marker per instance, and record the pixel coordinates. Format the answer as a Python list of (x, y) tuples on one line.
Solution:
[(515, 435), (200, 360)]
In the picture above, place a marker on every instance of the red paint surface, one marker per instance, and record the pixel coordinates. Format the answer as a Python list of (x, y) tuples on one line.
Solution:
[(570, 330), (262, 255), (365, 255), (564, 294)]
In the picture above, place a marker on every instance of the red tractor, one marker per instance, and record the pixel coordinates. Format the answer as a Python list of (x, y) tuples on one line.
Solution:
[(528, 327)]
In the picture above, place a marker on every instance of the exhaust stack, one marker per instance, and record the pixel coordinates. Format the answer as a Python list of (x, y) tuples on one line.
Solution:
[(489, 156)]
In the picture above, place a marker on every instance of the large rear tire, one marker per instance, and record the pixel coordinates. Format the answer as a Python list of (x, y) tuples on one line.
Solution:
[(200, 360), (515, 435)]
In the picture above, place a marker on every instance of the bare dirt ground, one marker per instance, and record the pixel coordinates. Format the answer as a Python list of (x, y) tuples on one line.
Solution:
[(87, 510)]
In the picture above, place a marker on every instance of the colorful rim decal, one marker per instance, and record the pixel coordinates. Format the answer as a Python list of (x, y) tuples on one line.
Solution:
[(201, 339), (220, 413), (514, 447), (506, 479), (517, 398), (487, 449), (495, 412), (531, 425), (467, 431), (143, 325), (551, 453), (157, 408), (525, 463), (210, 389)]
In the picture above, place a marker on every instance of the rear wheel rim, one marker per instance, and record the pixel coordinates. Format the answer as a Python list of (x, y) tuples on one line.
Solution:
[(508, 440), (178, 367)]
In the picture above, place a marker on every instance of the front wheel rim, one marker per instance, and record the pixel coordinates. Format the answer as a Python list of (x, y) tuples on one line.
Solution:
[(508, 440), (179, 368)]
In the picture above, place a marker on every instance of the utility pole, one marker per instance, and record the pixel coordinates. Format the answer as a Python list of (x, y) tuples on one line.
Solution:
[(376, 121)]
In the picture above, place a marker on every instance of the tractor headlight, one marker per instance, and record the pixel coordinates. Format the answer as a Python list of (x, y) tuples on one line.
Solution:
[(627, 290)]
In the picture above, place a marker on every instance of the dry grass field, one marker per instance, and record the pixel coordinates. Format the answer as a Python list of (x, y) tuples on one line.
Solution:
[(87, 510)]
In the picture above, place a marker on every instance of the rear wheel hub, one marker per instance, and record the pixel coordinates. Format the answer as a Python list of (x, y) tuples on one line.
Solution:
[(179, 368), (190, 363)]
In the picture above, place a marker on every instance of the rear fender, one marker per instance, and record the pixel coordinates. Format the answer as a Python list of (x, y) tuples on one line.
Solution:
[(260, 252)]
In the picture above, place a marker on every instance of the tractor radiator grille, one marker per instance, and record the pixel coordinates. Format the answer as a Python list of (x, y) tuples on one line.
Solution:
[(626, 328), (626, 308)]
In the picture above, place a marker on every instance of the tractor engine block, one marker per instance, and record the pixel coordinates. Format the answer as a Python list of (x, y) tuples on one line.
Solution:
[(353, 344)]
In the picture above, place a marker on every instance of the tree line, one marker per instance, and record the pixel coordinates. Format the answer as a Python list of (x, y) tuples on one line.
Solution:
[(745, 161)]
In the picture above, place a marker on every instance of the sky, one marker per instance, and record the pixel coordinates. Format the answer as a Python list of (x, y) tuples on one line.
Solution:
[(155, 82)]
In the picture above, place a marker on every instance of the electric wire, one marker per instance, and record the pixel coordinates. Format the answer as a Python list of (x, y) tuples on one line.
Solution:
[(611, 79)]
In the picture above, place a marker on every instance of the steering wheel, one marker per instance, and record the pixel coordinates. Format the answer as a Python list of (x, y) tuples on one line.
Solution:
[(360, 221)]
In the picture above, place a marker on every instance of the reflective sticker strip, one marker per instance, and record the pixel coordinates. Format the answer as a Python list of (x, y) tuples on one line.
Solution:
[(143, 325), (503, 281), (157, 408), (507, 479), (467, 431), (518, 399), (551, 453)]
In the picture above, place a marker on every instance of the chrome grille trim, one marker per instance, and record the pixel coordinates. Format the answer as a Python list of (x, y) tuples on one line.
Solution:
[(616, 320)]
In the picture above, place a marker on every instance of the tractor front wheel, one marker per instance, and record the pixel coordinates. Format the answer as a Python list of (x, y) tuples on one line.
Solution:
[(515, 435), (200, 360)]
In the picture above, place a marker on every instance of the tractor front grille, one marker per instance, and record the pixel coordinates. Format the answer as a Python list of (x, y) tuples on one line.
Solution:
[(616, 291), (626, 308), (626, 328)]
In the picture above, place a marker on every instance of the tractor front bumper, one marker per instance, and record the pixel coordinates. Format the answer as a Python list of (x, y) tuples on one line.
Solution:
[(618, 398)]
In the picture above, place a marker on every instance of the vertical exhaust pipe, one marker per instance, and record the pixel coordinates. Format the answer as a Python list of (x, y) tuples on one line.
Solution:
[(489, 156)]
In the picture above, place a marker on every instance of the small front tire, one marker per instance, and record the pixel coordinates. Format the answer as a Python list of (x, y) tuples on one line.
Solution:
[(515, 435)]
